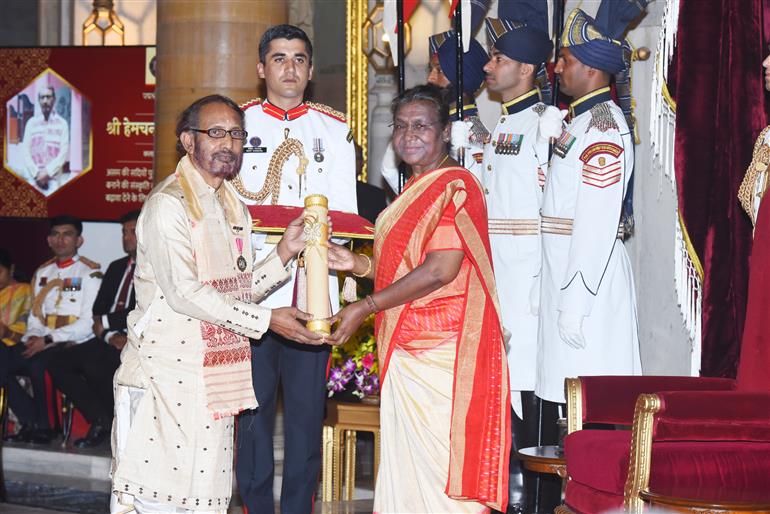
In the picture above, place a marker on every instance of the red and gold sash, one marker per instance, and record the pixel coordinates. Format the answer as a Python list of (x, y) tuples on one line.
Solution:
[(227, 355), (480, 425)]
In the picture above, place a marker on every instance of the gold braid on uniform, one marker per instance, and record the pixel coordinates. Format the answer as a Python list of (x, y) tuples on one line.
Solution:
[(326, 110), (272, 185), (759, 163), (602, 118), (37, 303)]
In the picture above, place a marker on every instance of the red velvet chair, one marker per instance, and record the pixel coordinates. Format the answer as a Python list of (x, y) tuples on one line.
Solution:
[(696, 444)]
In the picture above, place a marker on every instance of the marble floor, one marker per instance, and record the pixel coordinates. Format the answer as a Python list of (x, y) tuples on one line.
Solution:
[(354, 507), (59, 478), (20, 509)]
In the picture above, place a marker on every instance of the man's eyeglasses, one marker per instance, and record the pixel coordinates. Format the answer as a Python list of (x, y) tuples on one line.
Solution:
[(417, 128), (219, 133)]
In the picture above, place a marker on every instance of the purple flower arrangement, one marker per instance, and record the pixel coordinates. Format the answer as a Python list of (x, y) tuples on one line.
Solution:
[(354, 364)]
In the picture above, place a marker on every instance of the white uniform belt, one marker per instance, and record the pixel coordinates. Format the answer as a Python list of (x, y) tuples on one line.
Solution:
[(563, 226), (514, 227)]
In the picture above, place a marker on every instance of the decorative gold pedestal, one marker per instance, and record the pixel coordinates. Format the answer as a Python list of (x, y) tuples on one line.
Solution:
[(342, 422)]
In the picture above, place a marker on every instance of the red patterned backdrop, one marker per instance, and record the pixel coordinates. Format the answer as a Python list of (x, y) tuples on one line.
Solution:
[(106, 94)]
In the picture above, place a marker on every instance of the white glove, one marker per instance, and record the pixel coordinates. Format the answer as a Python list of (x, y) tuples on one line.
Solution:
[(571, 329), (389, 168), (534, 297), (550, 124), (460, 136)]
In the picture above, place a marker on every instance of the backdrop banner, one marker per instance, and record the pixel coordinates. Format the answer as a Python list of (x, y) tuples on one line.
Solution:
[(77, 132)]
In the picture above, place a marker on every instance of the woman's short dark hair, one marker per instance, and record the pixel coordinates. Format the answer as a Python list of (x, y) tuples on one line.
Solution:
[(284, 32), (5, 259), (434, 95), (190, 117)]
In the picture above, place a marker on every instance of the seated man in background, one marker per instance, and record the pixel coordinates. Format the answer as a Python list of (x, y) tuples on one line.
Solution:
[(65, 288), (85, 372)]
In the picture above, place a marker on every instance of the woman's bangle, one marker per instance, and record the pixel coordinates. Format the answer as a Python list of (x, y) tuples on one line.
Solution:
[(368, 266), (372, 306)]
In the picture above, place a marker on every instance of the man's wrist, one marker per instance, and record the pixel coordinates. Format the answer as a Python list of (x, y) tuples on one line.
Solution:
[(48, 340), (283, 252)]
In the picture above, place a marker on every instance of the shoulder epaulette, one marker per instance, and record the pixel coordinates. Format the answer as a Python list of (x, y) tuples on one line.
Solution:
[(250, 103), (602, 118), (325, 109), (46, 263), (91, 264)]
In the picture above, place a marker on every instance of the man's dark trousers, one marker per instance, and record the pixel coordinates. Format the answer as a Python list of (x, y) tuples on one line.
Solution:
[(301, 371), (84, 373), (32, 412)]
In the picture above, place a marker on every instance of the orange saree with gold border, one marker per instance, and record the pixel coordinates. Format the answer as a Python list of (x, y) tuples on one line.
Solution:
[(480, 415)]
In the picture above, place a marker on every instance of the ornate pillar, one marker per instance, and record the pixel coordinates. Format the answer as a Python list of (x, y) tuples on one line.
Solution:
[(382, 92), (205, 48)]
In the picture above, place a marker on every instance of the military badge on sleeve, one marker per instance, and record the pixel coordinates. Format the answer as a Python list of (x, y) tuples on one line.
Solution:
[(601, 164)]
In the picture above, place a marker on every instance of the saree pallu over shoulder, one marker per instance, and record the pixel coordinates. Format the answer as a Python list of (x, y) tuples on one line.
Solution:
[(480, 421)]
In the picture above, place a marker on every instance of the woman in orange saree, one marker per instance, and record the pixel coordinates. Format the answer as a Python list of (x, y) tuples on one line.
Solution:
[(444, 411)]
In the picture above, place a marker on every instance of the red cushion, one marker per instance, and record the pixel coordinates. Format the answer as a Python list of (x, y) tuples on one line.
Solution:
[(718, 471), (611, 399), (583, 499), (721, 471), (598, 458)]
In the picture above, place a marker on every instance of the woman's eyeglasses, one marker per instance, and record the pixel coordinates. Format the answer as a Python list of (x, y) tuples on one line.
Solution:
[(417, 128)]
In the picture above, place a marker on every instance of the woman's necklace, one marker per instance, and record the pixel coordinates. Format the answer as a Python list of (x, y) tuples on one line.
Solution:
[(414, 176), (442, 161)]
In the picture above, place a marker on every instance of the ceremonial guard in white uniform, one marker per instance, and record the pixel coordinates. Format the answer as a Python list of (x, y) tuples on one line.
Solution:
[(64, 297), (588, 306), (294, 150), (513, 175), (292, 154), (65, 288), (470, 134)]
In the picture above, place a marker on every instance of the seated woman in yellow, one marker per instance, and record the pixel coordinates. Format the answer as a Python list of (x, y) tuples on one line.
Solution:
[(15, 303)]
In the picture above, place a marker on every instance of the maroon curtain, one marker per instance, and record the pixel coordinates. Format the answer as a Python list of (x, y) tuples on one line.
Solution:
[(25, 240), (718, 85)]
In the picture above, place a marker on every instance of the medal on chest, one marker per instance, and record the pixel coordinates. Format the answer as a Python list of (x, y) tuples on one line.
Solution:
[(72, 284), (563, 144), (241, 260), (318, 149), (508, 144)]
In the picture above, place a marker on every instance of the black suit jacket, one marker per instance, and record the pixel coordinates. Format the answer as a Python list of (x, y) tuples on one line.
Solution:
[(107, 293)]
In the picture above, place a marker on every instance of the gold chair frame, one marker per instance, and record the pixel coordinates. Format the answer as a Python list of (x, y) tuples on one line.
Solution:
[(636, 493)]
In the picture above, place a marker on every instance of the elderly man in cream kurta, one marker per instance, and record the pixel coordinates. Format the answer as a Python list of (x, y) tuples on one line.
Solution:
[(186, 370)]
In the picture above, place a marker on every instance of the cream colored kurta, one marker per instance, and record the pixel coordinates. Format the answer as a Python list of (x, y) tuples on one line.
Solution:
[(176, 452)]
